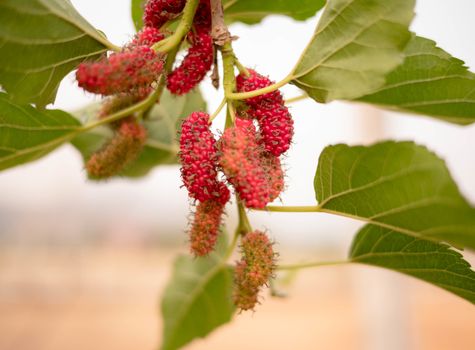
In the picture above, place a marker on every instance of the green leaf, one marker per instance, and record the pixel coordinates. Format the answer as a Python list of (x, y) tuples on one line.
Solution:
[(429, 82), (397, 185), (137, 13), (27, 134), (356, 44), (252, 11), (162, 126), (40, 42), (432, 262), (197, 300)]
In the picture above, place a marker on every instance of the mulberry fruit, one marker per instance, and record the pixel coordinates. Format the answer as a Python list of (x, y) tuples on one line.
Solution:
[(202, 20), (254, 270), (199, 158), (275, 121), (147, 37), (194, 67), (240, 161), (256, 175), (158, 12), (123, 149), (205, 227), (128, 71)]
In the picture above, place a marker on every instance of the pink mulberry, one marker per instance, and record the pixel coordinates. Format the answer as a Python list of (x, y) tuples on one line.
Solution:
[(254, 269), (123, 149)]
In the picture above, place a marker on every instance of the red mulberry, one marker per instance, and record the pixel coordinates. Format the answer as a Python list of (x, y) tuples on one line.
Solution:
[(240, 161), (276, 126), (275, 122), (131, 70), (147, 37), (205, 227), (256, 81), (158, 12), (123, 149), (194, 67), (254, 270), (199, 157), (202, 20)]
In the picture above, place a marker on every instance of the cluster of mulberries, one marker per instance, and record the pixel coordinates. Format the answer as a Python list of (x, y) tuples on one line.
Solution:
[(275, 121), (126, 77), (199, 170), (254, 270)]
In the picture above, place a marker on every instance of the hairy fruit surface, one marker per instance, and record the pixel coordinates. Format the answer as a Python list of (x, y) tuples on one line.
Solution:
[(132, 70), (194, 66), (254, 270), (158, 12), (147, 37), (205, 227), (198, 155), (275, 121), (123, 148)]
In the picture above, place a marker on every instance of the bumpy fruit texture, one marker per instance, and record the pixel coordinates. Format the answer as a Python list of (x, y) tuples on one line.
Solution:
[(205, 227), (240, 161), (275, 174), (254, 270), (198, 155), (274, 118), (256, 175), (256, 81), (127, 71), (158, 12), (195, 65), (147, 37), (123, 149), (276, 126), (245, 296)]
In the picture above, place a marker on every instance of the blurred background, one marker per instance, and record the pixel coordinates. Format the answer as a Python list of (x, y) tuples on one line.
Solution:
[(82, 264)]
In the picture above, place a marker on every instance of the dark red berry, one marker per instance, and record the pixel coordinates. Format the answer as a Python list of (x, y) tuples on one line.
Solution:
[(275, 121), (195, 65), (199, 158), (158, 12)]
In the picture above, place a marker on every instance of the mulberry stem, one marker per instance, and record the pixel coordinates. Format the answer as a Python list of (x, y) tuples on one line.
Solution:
[(296, 99), (244, 225), (254, 93), (311, 264), (218, 110)]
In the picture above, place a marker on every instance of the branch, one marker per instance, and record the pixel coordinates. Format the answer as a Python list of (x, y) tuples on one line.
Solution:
[(219, 29)]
